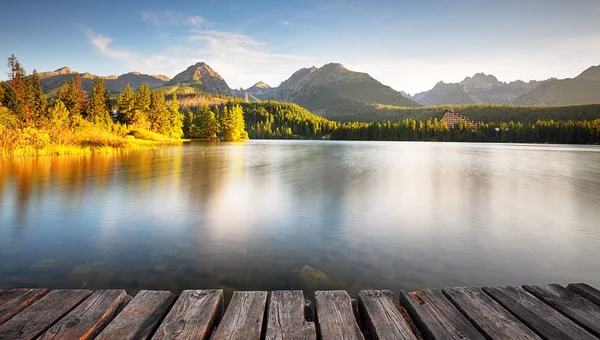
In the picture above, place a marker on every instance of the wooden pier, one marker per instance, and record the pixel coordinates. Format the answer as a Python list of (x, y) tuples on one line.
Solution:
[(506, 312)]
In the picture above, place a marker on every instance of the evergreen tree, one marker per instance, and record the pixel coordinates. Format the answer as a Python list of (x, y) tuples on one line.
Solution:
[(159, 113), (233, 125), (206, 125), (142, 107), (74, 98), (175, 119), (18, 84), (39, 100), (97, 111), (58, 113), (126, 106)]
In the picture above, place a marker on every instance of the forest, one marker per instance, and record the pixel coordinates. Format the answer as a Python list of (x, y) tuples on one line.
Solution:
[(495, 113), (558, 132), (264, 120)]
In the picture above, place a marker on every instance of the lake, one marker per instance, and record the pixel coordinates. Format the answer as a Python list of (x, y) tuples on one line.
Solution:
[(266, 215)]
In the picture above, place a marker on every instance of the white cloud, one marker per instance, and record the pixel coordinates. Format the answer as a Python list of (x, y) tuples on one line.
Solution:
[(241, 60), (285, 23)]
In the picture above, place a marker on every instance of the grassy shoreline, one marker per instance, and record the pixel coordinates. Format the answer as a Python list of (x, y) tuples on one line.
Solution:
[(31, 142)]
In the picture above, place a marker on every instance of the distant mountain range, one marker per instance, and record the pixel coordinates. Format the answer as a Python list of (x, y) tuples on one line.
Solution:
[(52, 81), (486, 89), (481, 88), (334, 91)]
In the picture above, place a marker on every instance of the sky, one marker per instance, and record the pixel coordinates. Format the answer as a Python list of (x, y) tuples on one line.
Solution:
[(409, 45)]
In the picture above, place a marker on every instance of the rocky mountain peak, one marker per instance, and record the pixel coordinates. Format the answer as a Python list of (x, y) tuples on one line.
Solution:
[(480, 79), (261, 84), (203, 77), (64, 70)]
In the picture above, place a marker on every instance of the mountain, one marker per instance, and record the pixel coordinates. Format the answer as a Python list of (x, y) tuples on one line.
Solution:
[(583, 89), (51, 81), (481, 88), (334, 91), (202, 77)]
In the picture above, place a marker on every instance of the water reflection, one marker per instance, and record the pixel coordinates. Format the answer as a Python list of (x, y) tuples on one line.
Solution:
[(309, 215)]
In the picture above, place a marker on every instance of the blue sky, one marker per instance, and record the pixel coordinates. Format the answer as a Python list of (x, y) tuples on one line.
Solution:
[(409, 45)]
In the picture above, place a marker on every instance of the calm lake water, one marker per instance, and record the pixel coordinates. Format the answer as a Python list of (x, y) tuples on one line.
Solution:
[(267, 215)]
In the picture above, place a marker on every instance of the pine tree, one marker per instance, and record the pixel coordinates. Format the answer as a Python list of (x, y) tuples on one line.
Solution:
[(175, 119), (205, 124), (126, 105), (58, 113), (39, 100), (18, 84), (141, 112), (158, 113), (233, 124), (97, 111)]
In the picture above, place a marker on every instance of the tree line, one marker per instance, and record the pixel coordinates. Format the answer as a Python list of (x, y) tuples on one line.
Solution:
[(560, 132), (264, 120), (482, 112), (225, 122)]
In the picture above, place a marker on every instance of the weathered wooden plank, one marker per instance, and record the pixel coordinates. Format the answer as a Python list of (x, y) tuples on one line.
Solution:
[(335, 316), (89, 317), (436, 317), (489, 317), (286, 317), (243, 319), (38, 317), (382, 317), (15, 300), (586, 291), (574, 306), (140, 317), (541, 318), (194, 315)]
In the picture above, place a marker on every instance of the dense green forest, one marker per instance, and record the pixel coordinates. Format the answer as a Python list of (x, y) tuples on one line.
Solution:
[(562, 132), (264, 120), (481, 113)]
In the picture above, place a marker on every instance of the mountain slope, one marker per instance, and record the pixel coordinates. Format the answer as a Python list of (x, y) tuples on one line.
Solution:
[(202, 77), (583, 89), (51, 81), (334, 91), (481, 88)]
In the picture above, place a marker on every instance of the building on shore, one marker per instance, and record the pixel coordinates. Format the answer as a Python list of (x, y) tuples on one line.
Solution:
[(452, 119)]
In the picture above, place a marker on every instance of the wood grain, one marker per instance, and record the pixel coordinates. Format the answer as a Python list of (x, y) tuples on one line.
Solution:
[(89, 317), (487, 315), (541, 318), (335, 316), (382, 317), (286, 317), (15, 300), (574, 306), (437, 317), (194, 315), (243, 319), (587, 291), (140, 317), (38, 317)]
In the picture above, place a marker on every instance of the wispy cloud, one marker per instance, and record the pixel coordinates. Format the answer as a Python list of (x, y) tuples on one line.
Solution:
[(194, 20), (286, 23), (240, 59), (166, 18)]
